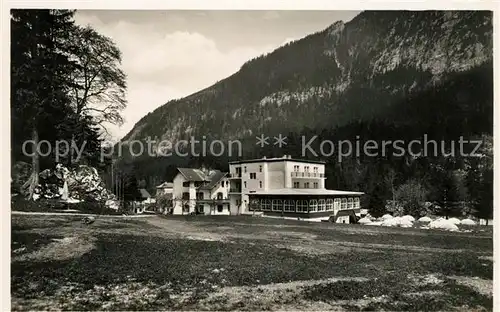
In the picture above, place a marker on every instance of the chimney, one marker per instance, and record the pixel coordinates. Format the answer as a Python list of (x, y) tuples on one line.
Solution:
[(289, 156), (264, 157)]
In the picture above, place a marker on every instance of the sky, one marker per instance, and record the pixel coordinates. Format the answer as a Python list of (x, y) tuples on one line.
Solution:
[(171, 54)]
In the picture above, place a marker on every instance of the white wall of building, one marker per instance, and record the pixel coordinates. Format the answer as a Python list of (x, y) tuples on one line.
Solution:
[(271, 175), (343, 219), (164, 190), (179, 190), (256, 176)]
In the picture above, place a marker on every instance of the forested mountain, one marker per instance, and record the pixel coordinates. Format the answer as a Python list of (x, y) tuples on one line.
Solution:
[(374, 67), (385, 75)]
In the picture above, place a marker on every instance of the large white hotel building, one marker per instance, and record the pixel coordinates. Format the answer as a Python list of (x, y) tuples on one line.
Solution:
[(274, 186)]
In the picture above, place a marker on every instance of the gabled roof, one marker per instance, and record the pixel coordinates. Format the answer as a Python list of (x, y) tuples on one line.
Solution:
[(214, 178), (193, 174), (166, 185), (211, 178)]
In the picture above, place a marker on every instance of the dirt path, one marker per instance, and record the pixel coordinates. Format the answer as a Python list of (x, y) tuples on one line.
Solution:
[(295, 240), (34, 213)]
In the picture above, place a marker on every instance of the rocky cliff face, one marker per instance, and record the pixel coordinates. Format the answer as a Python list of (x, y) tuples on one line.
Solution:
[(362, 70)]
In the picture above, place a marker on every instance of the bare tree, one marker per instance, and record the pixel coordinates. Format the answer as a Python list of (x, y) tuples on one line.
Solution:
[(99, 87)]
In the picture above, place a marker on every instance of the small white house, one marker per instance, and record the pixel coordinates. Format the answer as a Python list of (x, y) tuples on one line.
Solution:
[(164, 188), (200, 192)]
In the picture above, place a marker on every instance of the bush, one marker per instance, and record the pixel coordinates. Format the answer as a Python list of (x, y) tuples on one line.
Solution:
[(411, 197)]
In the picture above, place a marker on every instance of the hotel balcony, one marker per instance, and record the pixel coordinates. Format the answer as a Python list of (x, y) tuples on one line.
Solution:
[(234, 175), (297, 174)]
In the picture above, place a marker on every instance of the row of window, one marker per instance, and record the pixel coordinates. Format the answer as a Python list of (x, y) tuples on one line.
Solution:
[(201, 195), (198, 184), (201, 208), (303, 205), (296, 168), (245, 184), (245, 169), (306, 185)]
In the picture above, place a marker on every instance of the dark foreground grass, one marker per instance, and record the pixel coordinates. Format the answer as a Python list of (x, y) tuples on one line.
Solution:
[(397, 293), (24, 242), (187, 264), (199, 267)]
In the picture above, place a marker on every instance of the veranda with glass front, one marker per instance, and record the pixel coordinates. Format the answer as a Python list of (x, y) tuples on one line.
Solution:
[(305, 206)]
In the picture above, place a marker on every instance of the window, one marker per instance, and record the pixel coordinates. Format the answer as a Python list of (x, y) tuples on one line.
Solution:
[(289, 205), (219, 195), (277, 205), (296, 185), (198, 184), (185, 184), (245, 184), (343, 204), (350, 203), (296, 168), (356, 203), (220, 208), (245, 169), (227, 183), (185, 195), (315, 184), (238, 202), (315, 169), (306, 185), (199, 195), (302, 205), (253, 175), (260, 168), (201, 208), (306, 168), (265, 204), (336, 205), (260, 184), (329, 204), (185, 207), (321, 205), (313, 205)]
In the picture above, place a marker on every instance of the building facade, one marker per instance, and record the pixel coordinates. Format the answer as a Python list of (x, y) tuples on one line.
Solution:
[(273, 186), (164, 188), (288, 187), (200, 192)]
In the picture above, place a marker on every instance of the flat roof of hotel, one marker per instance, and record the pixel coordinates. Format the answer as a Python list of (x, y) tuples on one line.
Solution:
[(295, 191), (275, 159)]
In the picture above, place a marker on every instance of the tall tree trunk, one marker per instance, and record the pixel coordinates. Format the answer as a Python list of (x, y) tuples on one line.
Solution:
[(30, 185)]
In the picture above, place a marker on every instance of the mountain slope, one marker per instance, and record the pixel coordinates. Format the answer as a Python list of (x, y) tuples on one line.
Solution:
[(363, 70)]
